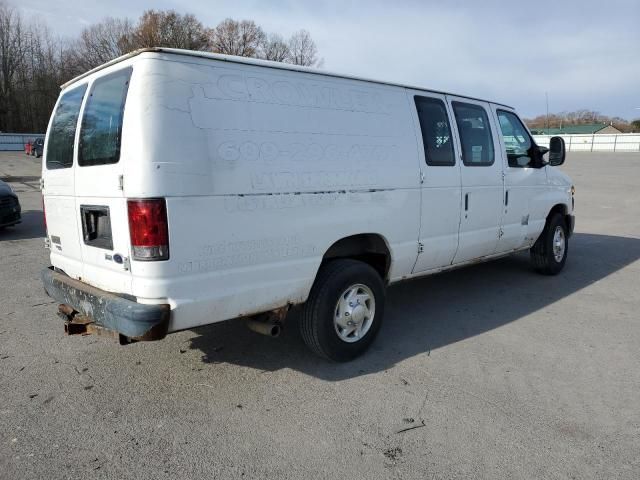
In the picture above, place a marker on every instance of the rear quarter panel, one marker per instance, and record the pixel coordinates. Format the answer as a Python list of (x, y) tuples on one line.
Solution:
[(263, 170)]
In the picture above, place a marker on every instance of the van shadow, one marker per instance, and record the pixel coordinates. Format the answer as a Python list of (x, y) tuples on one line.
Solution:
[(32, 226), (430, 313)]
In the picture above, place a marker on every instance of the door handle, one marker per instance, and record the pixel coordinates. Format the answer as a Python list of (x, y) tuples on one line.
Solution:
[(506, 198), (466, 202)]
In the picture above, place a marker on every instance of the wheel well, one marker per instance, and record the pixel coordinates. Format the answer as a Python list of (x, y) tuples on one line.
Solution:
[(369, 248), (562, 210)]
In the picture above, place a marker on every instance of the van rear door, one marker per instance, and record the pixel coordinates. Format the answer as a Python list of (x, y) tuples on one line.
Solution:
[(59, 183), (100, 204)]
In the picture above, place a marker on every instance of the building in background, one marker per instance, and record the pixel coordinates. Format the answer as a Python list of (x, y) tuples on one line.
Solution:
[(585, 129)]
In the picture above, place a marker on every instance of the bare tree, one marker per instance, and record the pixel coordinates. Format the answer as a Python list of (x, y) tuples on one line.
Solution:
[(113, 37), (29, 73), (12, 54), (274, 48), (102, 42), (170, 29), (232, 37), (579, 117), (33, 63), (302, 49)]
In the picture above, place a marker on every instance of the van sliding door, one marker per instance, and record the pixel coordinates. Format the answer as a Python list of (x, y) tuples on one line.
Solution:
[(440, 185), (482, 183)]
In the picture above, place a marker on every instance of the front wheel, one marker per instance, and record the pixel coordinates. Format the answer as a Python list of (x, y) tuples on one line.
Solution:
[(344, 311), (549, 253)]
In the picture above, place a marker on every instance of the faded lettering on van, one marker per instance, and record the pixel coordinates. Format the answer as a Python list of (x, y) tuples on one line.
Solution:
[(315, 95), (229, 153), (285, 114), (300, 94), (303, 180), (245, 246), (224, 255), (281, 201), (233, 86), (259, 90)]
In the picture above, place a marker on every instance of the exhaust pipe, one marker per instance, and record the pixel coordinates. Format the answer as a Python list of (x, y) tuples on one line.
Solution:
[(268, 328)]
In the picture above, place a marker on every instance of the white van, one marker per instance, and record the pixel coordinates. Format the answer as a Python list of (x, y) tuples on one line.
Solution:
[(185, 188)]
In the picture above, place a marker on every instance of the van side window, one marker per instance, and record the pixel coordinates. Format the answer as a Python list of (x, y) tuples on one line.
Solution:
[(102, 121), (516, 140), (436, 132), (62, 134), (475, 134)]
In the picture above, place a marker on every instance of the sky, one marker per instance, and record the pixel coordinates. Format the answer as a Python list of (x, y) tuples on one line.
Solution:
[(582, 53)]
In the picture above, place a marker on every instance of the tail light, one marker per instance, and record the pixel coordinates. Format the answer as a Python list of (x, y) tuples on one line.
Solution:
[(148, 229)]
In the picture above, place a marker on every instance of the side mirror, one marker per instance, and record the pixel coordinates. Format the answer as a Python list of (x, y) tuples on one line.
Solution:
[(557, 151)]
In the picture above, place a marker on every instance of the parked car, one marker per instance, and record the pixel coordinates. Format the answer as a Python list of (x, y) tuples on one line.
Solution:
[(10, 210), (203, 187), (37, 147)]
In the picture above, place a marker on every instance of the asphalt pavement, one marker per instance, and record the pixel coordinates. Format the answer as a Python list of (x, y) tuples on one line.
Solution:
[(492, 371)]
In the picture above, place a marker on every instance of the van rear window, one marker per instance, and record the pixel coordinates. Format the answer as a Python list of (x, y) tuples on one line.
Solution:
[(101, 128), (475, 134), (62, 133), (436, 132)]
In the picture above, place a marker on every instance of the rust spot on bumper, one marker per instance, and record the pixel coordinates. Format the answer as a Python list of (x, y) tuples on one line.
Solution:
[(87, 309)]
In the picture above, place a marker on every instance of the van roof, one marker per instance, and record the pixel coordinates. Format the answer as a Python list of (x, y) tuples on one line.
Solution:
[(262, 63)]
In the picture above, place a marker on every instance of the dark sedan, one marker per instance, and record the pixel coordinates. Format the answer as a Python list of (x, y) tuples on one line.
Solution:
[(9, 206)]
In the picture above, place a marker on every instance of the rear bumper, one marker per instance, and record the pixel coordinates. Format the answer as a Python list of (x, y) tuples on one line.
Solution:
[(127, 317)]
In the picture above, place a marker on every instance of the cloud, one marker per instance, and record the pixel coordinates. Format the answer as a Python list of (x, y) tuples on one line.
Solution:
[(585, 54)]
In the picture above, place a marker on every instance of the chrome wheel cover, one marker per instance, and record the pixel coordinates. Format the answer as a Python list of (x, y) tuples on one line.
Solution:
[(559, 244), (354, 313)]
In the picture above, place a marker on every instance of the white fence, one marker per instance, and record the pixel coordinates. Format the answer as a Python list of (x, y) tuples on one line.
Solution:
[(622, 142), (15, 142)]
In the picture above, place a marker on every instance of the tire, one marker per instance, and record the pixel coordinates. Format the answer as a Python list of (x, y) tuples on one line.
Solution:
[(549, 253), (326, 311)]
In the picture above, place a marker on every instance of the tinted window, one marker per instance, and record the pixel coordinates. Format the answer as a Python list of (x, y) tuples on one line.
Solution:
[(62, 133), (102, 121), (516, 139), (436, 132), (475, 134)]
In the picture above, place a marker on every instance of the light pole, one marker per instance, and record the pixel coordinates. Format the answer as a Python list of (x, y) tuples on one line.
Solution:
[(546, 97)]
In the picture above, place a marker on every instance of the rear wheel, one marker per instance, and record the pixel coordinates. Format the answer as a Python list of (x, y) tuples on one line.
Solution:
[(344, 311), (549, 253)]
